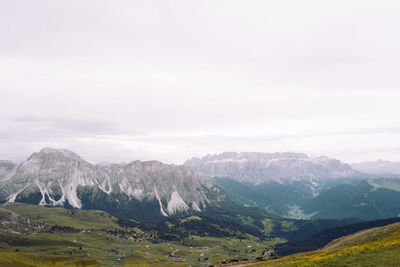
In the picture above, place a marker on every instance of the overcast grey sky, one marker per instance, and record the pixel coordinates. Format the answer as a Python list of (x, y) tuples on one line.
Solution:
[(169, 80)]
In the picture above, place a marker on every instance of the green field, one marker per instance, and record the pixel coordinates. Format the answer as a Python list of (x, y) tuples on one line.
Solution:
[(80, 219), (29, 259), (96, 247), (95, 238)]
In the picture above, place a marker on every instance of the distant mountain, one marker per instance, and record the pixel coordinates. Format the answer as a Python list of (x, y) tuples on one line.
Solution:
[(367, 199), (272, 196), (279, 182), (257, 168), (379, 167), (6, 169), (284, 199), (139, 190)]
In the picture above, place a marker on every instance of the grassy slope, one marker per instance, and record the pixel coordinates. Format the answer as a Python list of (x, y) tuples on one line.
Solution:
[(323, 238), (79, 219), (392, 184), (95, 247), (44, 248), (14, 259), (374, 247), (369, 199)]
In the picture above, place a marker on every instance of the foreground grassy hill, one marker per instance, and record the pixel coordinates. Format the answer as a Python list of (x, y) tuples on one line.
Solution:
[(321, 239), (373, 247)]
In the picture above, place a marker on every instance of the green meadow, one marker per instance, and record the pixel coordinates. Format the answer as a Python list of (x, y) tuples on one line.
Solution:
[(93, 238)]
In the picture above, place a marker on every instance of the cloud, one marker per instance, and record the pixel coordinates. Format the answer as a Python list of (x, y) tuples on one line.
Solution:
[(68, 124), (38, 128), (172, 80)]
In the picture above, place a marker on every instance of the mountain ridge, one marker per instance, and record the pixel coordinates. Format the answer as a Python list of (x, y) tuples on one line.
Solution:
[(283, 167), (59, 177)]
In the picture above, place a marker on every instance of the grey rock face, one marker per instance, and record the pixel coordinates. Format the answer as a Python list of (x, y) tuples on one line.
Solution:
[(6, 169), (55, 176), (258, 167)]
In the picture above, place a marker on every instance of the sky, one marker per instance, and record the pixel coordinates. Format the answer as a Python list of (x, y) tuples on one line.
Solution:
[(117, 81)]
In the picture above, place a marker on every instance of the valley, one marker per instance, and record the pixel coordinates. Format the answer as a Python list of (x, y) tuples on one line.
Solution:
[(193, 133), (58, 237), (95, 238), (58, 209)]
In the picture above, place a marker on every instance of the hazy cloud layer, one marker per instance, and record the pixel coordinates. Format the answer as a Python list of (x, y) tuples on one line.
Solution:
[(168, 80)]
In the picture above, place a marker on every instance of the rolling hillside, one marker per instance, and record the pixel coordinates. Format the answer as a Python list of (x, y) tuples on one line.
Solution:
[(368, 199), (322, 238), (373, 247), (42, 236), (92, 236)]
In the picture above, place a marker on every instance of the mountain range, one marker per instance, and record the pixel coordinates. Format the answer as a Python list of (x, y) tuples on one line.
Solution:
[(140, 190), (297, 186), (285, 168), (288, 184), (368, 199), (278, 182)]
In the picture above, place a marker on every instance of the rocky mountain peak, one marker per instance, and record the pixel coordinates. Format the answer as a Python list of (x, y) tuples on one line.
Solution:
[(50, 159), (52, 153)]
